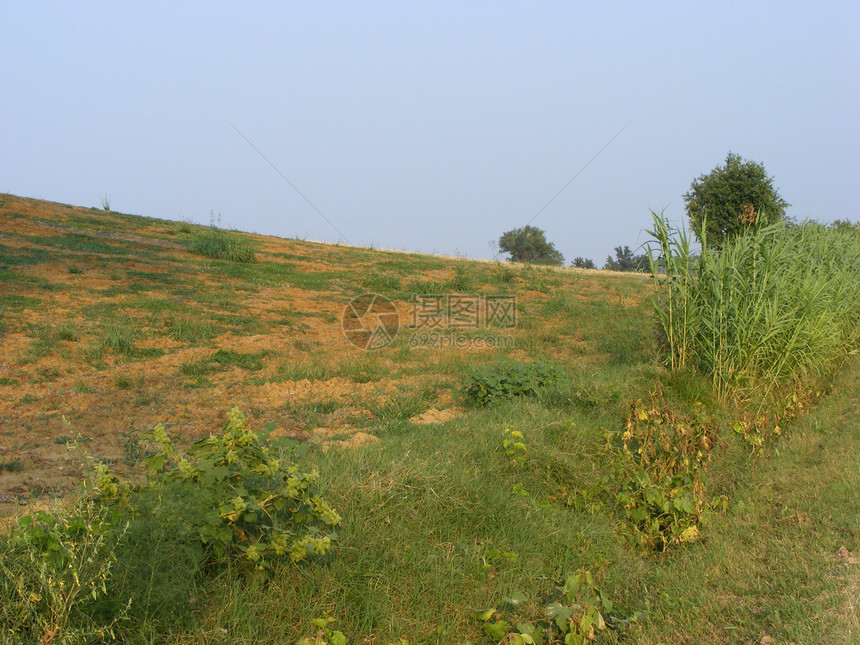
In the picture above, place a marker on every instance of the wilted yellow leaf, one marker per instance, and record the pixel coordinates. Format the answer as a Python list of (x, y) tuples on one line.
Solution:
[(689, 534)]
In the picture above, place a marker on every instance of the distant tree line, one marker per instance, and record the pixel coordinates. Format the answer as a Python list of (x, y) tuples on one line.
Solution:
[(724, 203), (626, 261), (529, 245)]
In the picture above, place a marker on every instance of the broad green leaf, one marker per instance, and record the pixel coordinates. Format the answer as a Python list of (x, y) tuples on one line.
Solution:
[(337, 638), (497, 630), (516, 598), (561, 615), (155, 464)]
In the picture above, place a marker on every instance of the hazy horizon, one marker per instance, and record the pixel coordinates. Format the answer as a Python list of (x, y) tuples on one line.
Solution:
[(431, 127)]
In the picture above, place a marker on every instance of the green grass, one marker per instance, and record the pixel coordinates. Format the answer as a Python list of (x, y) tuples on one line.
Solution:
[(222, 245), (268, 273), (48, 374), (771, 565), (49, 338), (315, 370), (197, 368), (159, 277), (360, 369), (384, 283), (428, 540), (158, 305), (190, 329), (118, 338), (240, 323), (223, 299), (10, 256), (122, 382), (82, 388), (86, 244), (26, 280), (223, 359), (11, 465), (229, 358)]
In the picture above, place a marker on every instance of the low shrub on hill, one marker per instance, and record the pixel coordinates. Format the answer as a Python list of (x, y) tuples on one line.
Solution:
[(508, 379), (125, 552)]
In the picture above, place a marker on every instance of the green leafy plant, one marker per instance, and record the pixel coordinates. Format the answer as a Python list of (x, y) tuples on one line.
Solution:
[(660, 460), (256, 504), (53, 568), (508, 379), (492, 557), (585, 611), (514, 446), (325, 635), (579, 616)]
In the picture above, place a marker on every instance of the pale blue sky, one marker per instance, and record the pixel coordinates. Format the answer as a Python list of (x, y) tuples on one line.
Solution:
[(427, 126)]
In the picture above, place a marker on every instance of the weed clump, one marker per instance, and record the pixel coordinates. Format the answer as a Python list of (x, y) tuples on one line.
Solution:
[(508, 379), (658, 479), (214, 242), (135, 552)]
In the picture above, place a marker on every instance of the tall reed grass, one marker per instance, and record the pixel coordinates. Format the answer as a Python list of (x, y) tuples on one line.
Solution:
[(775, 306)]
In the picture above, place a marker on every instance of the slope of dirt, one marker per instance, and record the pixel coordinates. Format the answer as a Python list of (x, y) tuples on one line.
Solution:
[(109, 325)]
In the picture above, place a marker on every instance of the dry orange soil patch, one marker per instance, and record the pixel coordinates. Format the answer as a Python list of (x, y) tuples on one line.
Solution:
[(58, 405)]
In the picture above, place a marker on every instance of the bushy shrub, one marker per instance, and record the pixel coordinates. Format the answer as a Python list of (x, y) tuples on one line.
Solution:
[(54, 567), (255, 504), (125, 552), (508, 379), (658, 475)]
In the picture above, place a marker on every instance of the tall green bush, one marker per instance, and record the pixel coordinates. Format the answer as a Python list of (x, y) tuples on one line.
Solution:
[(725, 202), (774, 306)]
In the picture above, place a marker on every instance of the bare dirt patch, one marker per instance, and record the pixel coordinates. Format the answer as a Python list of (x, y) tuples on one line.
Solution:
[(434, 416)]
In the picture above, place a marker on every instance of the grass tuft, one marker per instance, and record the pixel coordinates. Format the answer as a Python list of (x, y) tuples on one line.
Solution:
[(222, 245)]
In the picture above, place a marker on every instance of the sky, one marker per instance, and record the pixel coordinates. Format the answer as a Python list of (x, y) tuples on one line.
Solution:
[(427, 126)]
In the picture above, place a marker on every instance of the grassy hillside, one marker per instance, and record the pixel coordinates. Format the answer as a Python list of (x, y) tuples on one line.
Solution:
[(109, 326), (113, 323)]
